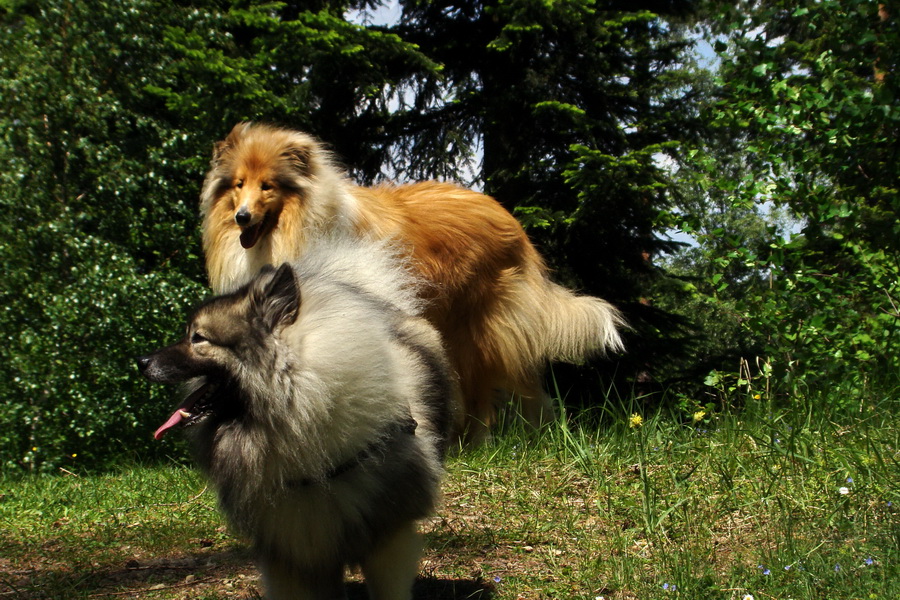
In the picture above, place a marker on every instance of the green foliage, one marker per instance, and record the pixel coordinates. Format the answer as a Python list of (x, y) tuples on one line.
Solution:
[(571, 104), (107, 112), (100, 245), (810, 125), (574, 109), (298, 64), (77, 316)]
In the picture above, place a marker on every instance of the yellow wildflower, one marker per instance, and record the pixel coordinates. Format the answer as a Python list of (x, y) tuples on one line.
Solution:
[(698, 416), (635, 421)]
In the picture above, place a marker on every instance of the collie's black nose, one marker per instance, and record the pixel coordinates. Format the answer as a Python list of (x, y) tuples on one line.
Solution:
[(242, 217)]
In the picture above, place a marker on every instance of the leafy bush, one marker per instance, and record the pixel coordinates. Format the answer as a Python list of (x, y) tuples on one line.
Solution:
[(99, 227), (809, 123), (77, 311)]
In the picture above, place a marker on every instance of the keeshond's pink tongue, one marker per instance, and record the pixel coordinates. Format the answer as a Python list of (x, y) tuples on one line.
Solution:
[(174, 420), (179, 414)]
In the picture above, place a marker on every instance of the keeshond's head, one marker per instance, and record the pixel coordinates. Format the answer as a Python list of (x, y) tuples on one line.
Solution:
[(225, 336)]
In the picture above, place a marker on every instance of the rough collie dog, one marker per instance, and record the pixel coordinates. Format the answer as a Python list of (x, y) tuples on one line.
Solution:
[(318, 402), (269, 189)]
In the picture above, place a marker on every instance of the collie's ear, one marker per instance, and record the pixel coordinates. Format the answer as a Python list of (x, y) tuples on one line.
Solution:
[(238, 131), (275, 297), (220, 148), (299, 157)]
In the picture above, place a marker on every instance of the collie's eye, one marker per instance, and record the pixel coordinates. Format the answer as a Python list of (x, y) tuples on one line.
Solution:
[(239, 184), (197, 338), (265, 187)]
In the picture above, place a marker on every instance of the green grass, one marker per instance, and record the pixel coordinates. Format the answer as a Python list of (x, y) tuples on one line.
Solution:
[(733, 504)]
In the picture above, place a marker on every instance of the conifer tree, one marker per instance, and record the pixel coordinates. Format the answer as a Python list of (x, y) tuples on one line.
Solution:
[(573, 104)]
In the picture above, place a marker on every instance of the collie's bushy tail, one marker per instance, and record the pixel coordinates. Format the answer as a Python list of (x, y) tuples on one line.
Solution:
[(575, 327), (539, 321), (531, 322)]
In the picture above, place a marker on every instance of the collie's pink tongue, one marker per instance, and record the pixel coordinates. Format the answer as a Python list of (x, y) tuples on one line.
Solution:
[(250, 235)]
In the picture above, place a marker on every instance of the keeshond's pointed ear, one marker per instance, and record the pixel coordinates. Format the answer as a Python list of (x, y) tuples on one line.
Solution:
[(275, 296)]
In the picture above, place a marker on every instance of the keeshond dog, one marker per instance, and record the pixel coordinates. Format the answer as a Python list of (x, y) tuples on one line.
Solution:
[(319, 403)]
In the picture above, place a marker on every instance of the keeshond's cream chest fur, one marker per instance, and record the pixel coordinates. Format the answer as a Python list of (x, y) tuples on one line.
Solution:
[(319, 404)]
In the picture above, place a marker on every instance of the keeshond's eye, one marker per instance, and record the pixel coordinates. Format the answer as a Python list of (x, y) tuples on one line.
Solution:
[(198, 339)]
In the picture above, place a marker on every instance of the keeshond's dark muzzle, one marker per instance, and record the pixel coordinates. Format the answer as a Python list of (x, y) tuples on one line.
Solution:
[(170, 365), (143, 363)]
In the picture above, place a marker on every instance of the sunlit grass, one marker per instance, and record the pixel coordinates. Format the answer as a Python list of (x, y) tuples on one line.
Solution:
[(783, 503), (792, 502)]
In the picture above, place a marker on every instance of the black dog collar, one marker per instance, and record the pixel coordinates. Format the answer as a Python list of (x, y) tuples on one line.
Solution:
[(406, 426)]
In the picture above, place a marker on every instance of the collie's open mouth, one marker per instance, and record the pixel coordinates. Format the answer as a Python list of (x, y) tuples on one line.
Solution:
[(196, 407), (252, 233)]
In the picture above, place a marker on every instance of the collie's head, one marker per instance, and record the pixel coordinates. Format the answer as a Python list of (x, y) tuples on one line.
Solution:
[(255, 172)]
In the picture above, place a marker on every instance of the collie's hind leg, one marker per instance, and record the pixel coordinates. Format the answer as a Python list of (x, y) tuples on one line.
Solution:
[(481, 404), (499, 397), (535, 404), (391, 569)]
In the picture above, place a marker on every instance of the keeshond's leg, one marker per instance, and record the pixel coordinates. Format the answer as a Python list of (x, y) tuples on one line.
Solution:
[(391, 569), (282, 582)]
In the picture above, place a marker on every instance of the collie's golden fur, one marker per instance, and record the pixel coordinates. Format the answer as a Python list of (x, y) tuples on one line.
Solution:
[(270, 189)]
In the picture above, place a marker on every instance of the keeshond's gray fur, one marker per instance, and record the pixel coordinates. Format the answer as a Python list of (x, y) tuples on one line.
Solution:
[(319, 404)]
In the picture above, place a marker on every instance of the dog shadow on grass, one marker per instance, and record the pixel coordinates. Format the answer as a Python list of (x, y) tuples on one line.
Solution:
[(228, 573), (433, 588)]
